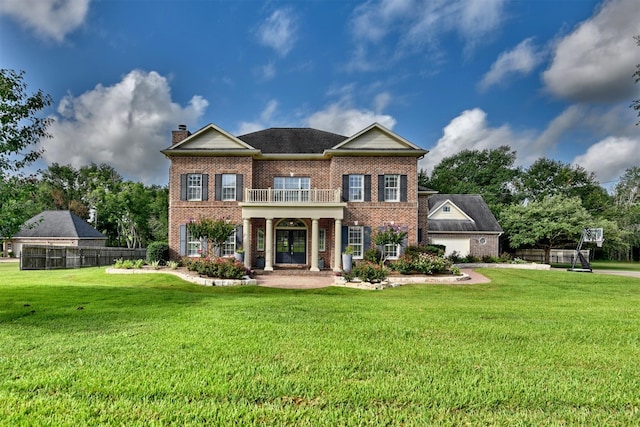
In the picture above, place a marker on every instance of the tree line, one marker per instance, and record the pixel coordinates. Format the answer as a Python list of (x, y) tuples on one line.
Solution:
[(547, 204)]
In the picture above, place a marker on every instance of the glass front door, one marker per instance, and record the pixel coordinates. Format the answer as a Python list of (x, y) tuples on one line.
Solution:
[(291, 246)]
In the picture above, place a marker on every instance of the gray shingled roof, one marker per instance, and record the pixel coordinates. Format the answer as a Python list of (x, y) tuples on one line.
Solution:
[(471, 204), (59, 224), (292, 140)]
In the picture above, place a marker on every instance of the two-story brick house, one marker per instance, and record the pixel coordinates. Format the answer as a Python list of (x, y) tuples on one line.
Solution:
[(298, 195)]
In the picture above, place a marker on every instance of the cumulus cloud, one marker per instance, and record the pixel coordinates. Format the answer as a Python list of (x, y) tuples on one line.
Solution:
[(595, 62), (279, 31), (471, 131), (124, 125), (610, 157), (49, 19), (264, 121), (418, 25), (520, 60), (344, 120)]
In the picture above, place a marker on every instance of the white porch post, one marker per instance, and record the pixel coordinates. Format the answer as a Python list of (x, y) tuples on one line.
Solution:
[(268, 255), (246, 244), (337, 246), (314, 244)]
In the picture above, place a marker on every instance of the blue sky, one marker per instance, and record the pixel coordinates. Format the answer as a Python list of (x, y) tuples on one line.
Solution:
[(549, 78)]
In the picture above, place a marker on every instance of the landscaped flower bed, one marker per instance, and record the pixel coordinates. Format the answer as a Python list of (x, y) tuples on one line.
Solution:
[(218, 267)]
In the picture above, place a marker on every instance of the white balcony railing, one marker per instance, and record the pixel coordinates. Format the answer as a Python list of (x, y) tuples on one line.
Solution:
[(270, 195)]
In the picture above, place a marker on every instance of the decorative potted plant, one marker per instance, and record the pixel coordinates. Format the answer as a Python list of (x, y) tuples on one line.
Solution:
[(260, 261), (239, 254), (347, 259)]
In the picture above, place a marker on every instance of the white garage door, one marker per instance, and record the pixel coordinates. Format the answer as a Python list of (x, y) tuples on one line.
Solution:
[(460, 245)]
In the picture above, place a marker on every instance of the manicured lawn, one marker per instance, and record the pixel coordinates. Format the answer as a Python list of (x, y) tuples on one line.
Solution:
[(607, 265), (81, 347)]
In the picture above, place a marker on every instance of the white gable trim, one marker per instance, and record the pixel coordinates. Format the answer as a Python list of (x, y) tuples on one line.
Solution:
[(401, 142), (436, 210), (212, 128)]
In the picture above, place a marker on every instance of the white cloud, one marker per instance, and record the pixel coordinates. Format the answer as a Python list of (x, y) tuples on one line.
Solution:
[(344, 120), (520, 60), (266, 72), (125, 125), (419, 24), (470, 131), (279, 31), (266, 117), (48, 18), (595, 62), (610, 157)]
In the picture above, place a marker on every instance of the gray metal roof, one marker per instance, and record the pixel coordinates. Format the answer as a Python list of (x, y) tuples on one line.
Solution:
[(292, 140), (59, 224), (471, 204)]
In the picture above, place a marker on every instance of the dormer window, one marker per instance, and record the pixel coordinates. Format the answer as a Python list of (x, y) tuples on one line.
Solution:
[(446, 209)]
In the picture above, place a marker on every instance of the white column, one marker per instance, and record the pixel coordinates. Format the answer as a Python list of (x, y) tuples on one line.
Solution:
[(337, 246), (268, 253), (314, 244), (246, 241)]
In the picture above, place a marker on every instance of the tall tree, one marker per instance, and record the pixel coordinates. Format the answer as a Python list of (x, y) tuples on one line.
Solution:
[(60, 190), (20, 131), (547, 177), (626, 195), (546, 223), (488, 172), (20, 128)]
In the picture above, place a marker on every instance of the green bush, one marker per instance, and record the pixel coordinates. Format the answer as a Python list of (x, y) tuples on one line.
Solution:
[(367, 272), (423, 263), (218, 267), (412, 251), (372, 255), (158, 251)]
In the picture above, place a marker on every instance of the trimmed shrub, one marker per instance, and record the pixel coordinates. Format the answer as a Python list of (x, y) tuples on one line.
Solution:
[(423, 263), (412, 251), (367, 272), (218, 267), (373, 255), (158, 251)]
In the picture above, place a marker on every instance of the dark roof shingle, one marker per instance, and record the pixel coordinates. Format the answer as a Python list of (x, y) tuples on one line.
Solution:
[(292, 140), (471, 204), (59, 224)]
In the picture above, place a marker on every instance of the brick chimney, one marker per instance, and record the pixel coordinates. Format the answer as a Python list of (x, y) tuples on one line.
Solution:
[(179, 135)]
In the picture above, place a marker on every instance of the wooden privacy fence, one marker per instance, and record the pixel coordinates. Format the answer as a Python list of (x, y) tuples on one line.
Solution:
[(44, 257)]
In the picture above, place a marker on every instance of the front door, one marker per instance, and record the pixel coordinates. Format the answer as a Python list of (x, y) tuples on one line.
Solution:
[(291, 246)]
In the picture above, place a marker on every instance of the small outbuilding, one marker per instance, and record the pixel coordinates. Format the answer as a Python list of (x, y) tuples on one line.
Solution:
[(464, 224), (57, 228)]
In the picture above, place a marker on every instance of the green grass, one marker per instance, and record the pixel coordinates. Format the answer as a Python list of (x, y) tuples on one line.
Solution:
[(79, 347)]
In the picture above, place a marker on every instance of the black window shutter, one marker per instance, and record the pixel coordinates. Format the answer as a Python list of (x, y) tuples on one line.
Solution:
[(239, 187), (381, 188), (345, 237), (218, 190), (183, 240), (238, 237), (403, 188), (345, 188), (367, 188), (367, 239), (419, 235), (183, 186), (205, 186)]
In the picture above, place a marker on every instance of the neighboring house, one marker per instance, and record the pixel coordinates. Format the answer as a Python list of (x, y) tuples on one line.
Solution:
[(58, 228), (298, 195), (464, 224)]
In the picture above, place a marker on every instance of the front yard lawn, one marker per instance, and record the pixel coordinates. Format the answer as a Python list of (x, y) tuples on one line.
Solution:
[(82, 347)]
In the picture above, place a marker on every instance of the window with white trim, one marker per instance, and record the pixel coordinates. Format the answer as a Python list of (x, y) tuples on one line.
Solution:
[(229, 247), (392, 188), (355, 239), (194, 187), (446, 209), (194, 245), (228, 186), (260, 239), (356, 188), (391, 251), (322, 239)]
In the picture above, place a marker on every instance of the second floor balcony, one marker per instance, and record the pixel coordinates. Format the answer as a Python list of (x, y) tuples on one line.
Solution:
[(292, 196)]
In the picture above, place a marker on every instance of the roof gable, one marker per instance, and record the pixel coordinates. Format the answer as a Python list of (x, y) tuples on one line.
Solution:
[(58, 224), (376, 137), (211, 137), (449, 211), (477, 215)]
